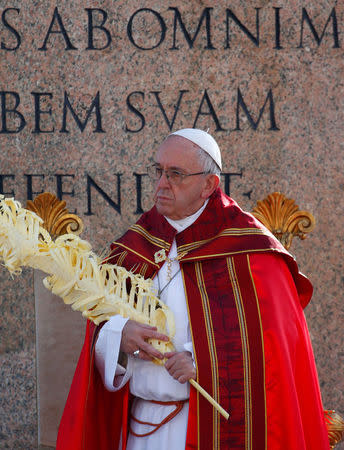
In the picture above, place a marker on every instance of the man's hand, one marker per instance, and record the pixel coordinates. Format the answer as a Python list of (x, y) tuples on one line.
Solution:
[(180, 366), (134, 337)]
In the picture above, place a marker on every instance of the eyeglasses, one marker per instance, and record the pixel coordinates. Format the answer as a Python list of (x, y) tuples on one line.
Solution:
[(174, 176)]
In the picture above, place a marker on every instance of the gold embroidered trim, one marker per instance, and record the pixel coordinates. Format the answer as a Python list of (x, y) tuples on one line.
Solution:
[(136, 253), (214, 255), (152, 239), (195, 355), (143, 269), (262, 341), (213, 354), (245, 351), (113, 255), (122, 258), (226, 232)]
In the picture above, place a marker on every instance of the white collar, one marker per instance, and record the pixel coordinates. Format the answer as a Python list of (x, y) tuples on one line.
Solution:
[(182, 224)]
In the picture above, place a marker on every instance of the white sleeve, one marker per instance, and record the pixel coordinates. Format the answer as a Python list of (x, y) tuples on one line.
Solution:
[(107, 348), (189, 348)]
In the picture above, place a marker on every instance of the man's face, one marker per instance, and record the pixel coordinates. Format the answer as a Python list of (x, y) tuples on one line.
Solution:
[(181, 200)]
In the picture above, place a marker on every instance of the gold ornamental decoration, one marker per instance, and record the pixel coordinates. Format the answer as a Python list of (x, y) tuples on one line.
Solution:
[(283, 218), (335, 427), (56, 218)]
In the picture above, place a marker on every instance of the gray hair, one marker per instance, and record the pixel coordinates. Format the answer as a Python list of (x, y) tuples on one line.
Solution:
[(207, 163)]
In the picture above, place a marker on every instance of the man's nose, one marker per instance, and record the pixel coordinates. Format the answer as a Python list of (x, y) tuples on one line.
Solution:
[(163, 181)]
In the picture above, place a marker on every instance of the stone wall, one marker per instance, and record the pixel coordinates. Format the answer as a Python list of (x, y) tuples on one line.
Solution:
[(88, 93)]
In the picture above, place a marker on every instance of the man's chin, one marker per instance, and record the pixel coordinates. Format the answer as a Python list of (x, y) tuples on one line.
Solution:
[(166, 207), (162, 209)]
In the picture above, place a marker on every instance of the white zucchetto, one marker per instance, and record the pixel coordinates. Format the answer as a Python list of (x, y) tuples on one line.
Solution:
[(203, 140)]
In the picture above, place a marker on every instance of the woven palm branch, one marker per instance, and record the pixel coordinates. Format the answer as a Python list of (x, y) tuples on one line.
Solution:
[(76, 274)]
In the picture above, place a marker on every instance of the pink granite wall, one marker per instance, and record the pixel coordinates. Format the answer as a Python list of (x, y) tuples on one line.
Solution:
[(139, 75)]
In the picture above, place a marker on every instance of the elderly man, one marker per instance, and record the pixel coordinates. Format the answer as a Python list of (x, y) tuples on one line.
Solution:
[(237, 297)]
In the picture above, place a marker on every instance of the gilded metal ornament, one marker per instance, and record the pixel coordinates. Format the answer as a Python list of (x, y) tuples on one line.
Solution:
[(283, 218), (57, 219), (335, 427)]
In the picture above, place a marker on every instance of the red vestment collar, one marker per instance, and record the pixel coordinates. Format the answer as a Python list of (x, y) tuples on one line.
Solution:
[(223, 229)]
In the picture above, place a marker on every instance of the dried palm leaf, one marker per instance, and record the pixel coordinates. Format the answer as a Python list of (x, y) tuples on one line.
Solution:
[(77, 275)]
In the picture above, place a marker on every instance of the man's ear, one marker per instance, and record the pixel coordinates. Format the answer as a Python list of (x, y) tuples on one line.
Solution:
[(212, 182)]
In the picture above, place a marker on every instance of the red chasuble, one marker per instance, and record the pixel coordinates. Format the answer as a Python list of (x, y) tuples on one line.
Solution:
[(252, 350)]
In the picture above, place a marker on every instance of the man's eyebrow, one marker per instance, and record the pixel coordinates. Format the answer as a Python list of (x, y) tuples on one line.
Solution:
[(179, 169)]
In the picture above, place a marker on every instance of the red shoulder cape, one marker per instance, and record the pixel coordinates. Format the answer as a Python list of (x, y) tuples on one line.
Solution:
[(253, 355)]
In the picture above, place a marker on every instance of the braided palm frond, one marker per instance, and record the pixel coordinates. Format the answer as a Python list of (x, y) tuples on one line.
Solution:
[(75, 273)]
